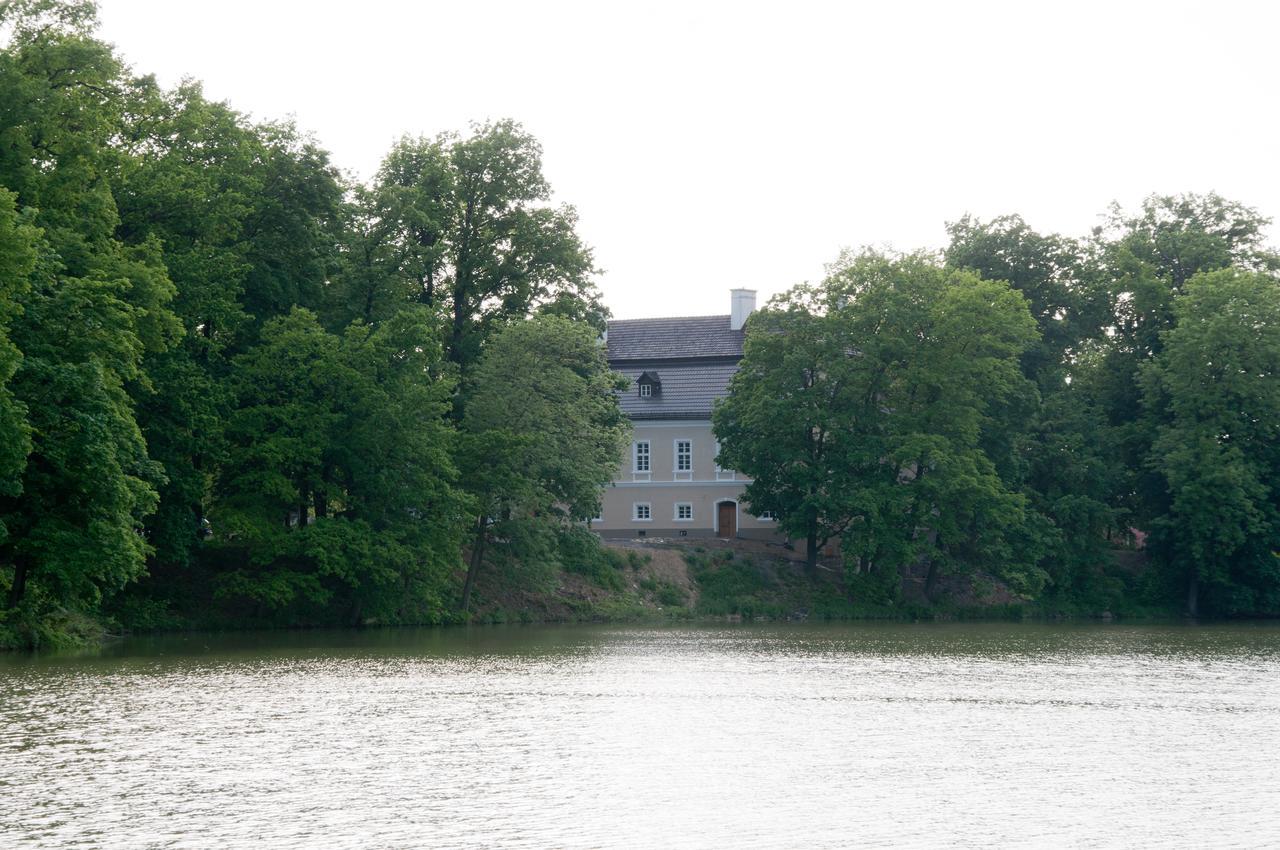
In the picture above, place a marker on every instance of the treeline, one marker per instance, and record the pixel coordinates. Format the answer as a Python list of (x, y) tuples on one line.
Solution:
[(1027, 406), (237, 388)]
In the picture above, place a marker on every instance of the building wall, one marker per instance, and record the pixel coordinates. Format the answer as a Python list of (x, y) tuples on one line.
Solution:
[(663, 487)]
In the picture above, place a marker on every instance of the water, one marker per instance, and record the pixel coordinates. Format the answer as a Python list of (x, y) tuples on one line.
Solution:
[(583, 737)]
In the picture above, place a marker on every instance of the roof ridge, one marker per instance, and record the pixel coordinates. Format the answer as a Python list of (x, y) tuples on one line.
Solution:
[(671, 318)]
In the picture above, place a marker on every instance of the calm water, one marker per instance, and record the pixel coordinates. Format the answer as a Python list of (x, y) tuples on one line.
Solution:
[(575, 737)]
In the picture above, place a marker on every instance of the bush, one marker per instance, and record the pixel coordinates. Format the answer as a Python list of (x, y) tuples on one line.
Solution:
[(730, 586), (582, 553)]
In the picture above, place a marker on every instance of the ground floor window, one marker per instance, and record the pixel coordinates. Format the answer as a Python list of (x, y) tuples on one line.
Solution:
[(684, 511), (766, 516), (641, 511)]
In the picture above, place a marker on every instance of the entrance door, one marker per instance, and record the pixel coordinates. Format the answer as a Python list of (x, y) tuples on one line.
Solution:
[(727, 516)]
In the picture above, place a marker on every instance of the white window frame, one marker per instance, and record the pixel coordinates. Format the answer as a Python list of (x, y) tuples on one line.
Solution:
[(767, 516), (722, 474), (678, 474), (646, 390), (635, 511), (675, 516), (638, 474)]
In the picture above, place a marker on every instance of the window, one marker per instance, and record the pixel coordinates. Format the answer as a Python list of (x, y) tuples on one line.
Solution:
[(684, 511), (646, 390), (641, 456), (684, 458), (766, 516), (599, 517), (641, 511)]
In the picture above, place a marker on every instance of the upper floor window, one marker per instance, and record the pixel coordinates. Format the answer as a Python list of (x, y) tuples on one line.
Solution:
[(641, 456), (650, 384), (684, 455)]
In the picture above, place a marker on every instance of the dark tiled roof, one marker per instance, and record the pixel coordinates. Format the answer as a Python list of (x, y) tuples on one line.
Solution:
[(688, 389), (660, 339)]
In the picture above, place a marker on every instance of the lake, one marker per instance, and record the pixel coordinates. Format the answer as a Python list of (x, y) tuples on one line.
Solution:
[(692, 736)]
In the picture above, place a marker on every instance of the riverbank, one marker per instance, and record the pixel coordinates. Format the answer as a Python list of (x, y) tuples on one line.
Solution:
[(626, 581), (648, 579)]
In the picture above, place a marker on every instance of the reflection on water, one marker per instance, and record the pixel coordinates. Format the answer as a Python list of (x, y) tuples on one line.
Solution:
[(752, 736)]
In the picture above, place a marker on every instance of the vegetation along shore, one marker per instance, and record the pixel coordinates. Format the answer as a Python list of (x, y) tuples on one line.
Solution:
[(240, 389)]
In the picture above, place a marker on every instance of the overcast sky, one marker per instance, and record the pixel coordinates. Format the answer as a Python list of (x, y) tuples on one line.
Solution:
[(708, 146)]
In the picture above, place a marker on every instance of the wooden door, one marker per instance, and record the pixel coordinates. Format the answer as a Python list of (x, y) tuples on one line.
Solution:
[(728, 519)]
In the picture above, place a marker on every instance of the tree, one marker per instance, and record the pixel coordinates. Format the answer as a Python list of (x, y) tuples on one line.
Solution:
[(543, 430), (17, 261), (462, 225), (338, 493), (247, 216), (1219, 453), (1045, 269), (1054, 444), (1141, 262), (92, 309), (858, 409), (799, 419)]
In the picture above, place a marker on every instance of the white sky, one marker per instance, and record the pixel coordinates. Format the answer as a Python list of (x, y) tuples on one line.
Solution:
[(714, 145)]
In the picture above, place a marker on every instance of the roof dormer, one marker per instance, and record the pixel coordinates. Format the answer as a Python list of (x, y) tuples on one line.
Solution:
[(649, 385)]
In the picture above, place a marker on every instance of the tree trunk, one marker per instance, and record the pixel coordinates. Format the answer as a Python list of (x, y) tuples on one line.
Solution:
[(931, 579), (811, 551), (477, 555), (1193, 594), (21, 568)]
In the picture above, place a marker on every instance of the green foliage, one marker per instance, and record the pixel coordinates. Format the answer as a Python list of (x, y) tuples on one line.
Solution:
[(236, 390), (582, 553), (542, 430), (1219, 452), (462, 225), (859, 412)]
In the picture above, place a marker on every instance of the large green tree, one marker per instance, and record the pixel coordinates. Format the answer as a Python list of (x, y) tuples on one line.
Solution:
[(1218, 378), (858, 412), (93, 308), (464, 225), (247, 215), (337, 500), (543, 430), (17, 261)]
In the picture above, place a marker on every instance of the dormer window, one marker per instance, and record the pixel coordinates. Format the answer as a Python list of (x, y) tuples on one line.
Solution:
[(649, 384)]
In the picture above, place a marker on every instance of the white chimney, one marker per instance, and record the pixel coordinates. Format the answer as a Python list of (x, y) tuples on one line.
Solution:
[(741, 303)]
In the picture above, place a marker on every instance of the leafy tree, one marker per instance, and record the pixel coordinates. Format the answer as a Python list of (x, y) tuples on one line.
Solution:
[(858, 411), (93, 308), (543, 430), (1142, 262), (338, 490), (463, 225), (1216, 374), (802, 420), (17, 261), (1045, 269), (1053, 445)]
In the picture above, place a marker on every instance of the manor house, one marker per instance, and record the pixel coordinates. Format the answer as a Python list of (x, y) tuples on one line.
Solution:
[(669, 484)]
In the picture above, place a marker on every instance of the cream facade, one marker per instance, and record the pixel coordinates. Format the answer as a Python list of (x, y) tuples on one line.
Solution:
[(670, 501), (669, 485)]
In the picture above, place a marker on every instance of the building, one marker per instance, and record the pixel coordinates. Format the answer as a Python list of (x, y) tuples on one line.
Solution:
[(669, 484)]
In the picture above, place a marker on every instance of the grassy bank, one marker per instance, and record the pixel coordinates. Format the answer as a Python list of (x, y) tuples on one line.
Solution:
[(579, 580)]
